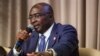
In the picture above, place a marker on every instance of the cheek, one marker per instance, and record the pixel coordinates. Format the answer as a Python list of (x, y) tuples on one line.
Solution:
[(42, 21)]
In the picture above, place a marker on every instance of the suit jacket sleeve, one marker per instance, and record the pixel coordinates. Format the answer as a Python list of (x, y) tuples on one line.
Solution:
[(67, 42)]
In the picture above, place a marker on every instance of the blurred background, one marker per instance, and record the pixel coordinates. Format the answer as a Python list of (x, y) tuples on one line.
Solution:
[(84, 15)]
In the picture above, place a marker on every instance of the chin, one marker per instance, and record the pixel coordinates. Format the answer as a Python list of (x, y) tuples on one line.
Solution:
[(37, 30)]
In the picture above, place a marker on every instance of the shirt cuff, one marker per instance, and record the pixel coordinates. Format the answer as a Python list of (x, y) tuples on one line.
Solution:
[(16, 53)]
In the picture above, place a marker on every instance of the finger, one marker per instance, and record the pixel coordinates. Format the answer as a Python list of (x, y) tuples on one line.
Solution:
[(22, 35), (23, 32), (30, 54), (30, 34), (37, 53)]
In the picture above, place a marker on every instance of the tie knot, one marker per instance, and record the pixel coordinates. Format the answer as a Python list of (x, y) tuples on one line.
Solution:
[(42, 36)]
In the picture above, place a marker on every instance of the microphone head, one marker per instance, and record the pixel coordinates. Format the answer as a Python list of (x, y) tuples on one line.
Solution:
[(29, 28)]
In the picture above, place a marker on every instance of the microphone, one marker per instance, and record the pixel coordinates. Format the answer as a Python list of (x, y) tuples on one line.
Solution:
[(30, 28), (19, 43)]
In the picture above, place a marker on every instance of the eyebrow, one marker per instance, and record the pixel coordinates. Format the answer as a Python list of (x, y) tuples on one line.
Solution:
[(34, 14)]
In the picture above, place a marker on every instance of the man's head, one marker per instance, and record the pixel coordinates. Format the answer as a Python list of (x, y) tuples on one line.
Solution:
[(41, 16)]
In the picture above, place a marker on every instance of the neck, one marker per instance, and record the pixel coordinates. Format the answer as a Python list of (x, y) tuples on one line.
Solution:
[(46, 28)]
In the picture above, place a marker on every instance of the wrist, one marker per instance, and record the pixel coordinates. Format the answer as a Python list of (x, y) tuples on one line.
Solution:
[(18, 45)]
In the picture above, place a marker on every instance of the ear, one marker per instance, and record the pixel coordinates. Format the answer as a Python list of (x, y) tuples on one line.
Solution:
[(49, 16)]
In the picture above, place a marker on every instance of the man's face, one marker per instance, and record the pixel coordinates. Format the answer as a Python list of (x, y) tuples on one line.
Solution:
[(39, 20)]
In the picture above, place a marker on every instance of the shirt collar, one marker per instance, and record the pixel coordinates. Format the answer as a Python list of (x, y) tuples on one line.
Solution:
[(48, 32)]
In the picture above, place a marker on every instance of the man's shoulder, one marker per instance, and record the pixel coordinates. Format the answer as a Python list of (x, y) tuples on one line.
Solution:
[(67, 26), (60, 28)]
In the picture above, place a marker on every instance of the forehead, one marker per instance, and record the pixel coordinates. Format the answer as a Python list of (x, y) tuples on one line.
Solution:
[(35, 10)]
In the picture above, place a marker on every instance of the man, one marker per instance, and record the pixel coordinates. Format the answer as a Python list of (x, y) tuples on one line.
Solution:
[(60, 40)]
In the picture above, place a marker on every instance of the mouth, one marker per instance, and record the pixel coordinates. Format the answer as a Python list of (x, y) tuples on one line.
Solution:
[(36, 27)]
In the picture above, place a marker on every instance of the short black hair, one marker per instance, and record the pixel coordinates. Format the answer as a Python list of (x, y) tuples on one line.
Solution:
[(38, 5)]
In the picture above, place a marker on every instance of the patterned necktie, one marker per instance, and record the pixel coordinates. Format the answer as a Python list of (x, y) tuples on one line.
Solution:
[(42, 44)]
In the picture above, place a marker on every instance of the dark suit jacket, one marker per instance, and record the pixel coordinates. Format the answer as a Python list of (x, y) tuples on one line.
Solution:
[(63, 40)]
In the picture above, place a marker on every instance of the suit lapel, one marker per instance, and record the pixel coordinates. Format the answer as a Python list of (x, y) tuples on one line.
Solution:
[(33, 41), (53, 36)]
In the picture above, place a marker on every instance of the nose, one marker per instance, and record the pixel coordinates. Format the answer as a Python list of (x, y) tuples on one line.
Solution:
[(33, 21)]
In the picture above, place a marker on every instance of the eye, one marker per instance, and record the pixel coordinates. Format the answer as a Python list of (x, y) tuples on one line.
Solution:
[(30, 16), (37, 15)]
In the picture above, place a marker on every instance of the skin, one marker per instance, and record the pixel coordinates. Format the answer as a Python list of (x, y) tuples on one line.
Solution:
[(40, 19), (42, 23)]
